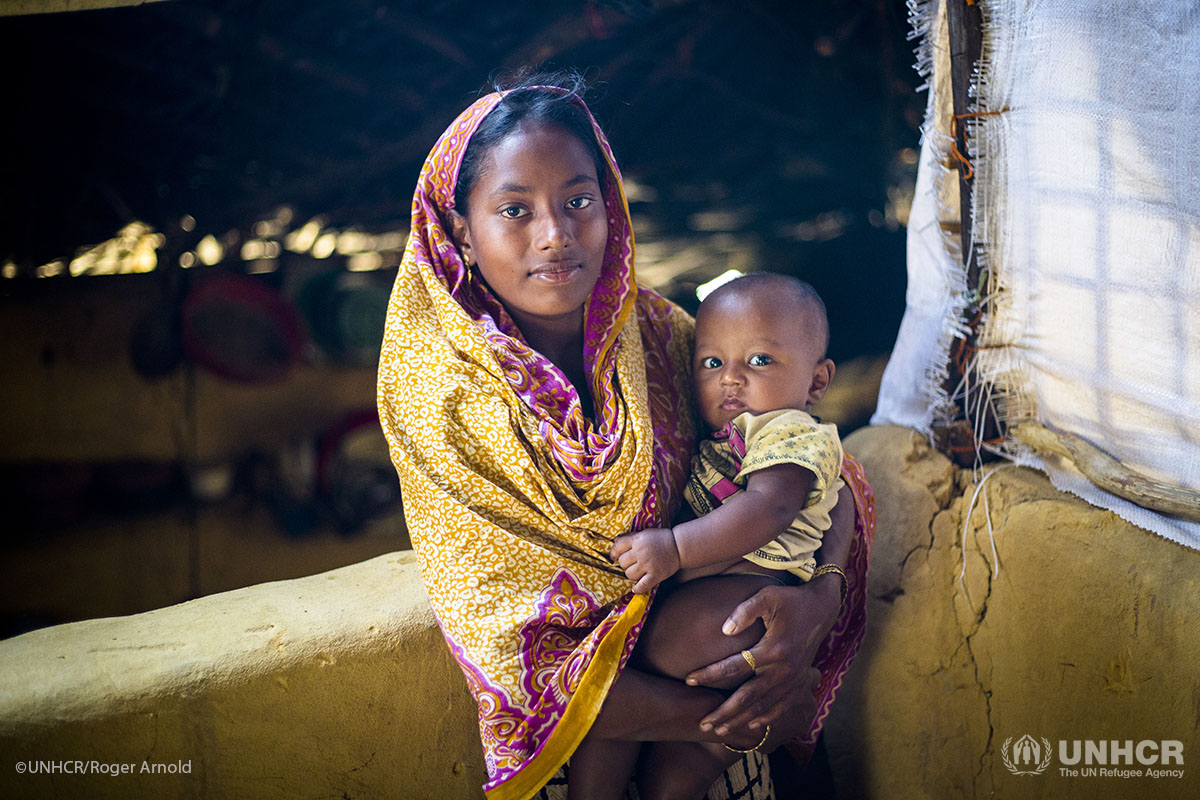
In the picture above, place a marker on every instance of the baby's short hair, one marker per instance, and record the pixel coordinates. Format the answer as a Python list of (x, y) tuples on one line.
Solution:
[(780, 288)]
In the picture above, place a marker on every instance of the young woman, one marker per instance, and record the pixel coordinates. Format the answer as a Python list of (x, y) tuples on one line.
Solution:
[(537, 404)]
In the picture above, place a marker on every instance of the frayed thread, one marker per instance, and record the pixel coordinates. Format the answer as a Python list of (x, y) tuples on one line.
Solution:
[(922, 18), (962, 575)]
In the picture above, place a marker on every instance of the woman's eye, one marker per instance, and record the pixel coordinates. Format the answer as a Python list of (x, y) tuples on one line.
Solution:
[(760, 360), (579, 202), (512, 212), (710, 362)]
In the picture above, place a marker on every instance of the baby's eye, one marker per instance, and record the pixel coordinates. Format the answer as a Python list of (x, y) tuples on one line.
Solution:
[(579, 202), (710, 362), (512, 212), (760, 360)]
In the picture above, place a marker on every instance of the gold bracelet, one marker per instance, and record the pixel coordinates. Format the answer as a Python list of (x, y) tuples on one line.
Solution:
[(825, 569), (761, 742)]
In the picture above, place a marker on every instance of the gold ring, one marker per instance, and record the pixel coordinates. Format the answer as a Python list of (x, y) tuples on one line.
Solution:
[(746, 654)]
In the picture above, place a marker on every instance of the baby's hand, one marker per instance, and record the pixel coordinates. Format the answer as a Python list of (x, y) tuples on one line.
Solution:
[(648, 557)]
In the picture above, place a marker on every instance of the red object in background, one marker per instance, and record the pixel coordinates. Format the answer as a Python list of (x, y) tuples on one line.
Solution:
[(355, 476), (241, 329)]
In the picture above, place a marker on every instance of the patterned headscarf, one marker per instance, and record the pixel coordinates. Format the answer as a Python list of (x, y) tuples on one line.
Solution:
[(582, 448)]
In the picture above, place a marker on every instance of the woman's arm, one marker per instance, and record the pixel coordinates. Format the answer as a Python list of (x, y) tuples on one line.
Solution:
[(797, 619)]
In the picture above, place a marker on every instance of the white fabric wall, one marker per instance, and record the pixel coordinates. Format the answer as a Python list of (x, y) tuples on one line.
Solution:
[(1087, 208)]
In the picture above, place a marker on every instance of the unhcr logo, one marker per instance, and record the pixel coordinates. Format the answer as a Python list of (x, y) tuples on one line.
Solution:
[(1096, 758), (1028, 756)]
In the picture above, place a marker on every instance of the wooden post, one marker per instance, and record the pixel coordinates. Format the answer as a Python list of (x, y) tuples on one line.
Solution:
[(958, 439), (966, 43)]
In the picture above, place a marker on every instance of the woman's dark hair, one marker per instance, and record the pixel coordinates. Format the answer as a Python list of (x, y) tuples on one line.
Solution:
[(525, 104)]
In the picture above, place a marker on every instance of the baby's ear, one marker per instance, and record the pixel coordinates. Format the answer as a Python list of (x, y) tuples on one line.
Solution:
[(822, 377)]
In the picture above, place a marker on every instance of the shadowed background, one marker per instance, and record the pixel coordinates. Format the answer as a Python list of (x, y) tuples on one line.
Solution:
[(203, 207)]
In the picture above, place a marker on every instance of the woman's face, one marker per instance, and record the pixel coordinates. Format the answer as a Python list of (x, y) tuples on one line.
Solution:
[(536, 226)]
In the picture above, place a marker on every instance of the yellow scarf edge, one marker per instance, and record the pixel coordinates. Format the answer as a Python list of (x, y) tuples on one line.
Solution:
[(581, 711)]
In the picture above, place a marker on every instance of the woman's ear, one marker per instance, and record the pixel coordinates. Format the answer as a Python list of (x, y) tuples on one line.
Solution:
[(461, 235), (822, 377)]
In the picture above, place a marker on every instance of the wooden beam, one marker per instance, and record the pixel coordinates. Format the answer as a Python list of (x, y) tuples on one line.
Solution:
[(16, 8)]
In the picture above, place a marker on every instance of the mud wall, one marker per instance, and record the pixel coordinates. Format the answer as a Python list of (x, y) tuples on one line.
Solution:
[(1084, 630)]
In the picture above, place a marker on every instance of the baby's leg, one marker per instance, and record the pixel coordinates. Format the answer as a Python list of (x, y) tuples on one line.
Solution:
[(683, 632), (601, 768), (682, 635), (682, 770)]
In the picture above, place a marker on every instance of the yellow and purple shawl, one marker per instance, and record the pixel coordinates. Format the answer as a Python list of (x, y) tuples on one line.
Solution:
[(512, 497)]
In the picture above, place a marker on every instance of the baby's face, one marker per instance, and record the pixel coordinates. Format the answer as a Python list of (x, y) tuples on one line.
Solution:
[(754, 354)]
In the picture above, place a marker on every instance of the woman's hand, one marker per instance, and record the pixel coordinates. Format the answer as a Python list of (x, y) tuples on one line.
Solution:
[(797, 619)]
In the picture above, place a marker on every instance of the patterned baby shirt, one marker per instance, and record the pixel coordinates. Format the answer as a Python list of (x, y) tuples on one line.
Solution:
[(751, 442)]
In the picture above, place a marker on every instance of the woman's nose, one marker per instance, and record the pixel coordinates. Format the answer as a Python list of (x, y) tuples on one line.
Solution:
[(555, 231)]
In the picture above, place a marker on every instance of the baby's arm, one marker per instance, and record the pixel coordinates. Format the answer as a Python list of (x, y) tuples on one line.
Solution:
[(745, 522)]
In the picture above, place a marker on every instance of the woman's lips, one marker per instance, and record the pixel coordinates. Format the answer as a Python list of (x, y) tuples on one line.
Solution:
[(556, 271)]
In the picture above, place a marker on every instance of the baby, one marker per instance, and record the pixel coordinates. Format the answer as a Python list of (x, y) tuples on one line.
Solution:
[(763, 485)]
